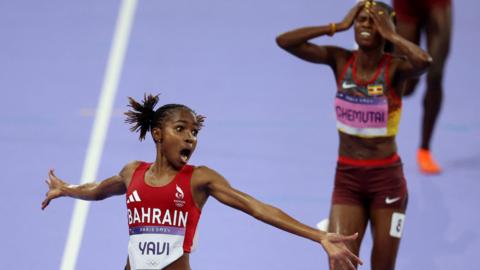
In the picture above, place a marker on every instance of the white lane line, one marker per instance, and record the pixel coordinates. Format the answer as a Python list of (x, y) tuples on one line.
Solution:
[(100, 127)]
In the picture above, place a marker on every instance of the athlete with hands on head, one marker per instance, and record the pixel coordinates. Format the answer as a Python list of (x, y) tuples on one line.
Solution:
[(369, 180), (165, 198)]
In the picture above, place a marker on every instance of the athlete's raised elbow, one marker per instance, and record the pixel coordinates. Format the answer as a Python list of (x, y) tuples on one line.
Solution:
[(426, 61), (282, 42)]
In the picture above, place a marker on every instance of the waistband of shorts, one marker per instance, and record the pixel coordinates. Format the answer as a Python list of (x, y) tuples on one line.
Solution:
[(369, 162)]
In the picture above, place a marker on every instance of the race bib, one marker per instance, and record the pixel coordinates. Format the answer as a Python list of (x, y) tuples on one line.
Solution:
[(361, 116), (156, 247)]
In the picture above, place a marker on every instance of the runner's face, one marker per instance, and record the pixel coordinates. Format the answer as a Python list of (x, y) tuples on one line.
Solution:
[(366, 34), (179, 137)]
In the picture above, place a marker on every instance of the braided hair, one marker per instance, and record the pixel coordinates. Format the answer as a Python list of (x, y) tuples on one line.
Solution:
[(143, 117)]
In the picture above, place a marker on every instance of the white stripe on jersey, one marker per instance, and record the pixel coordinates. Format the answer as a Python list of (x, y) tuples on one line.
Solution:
[(137, 198)]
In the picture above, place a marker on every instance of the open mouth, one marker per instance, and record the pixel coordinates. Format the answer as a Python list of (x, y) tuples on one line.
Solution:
[(185, 154), (365, 34)]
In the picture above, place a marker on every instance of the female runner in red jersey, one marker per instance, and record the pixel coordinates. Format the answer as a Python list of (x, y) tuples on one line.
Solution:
[(434, 18), (165, 198), (369, 180)]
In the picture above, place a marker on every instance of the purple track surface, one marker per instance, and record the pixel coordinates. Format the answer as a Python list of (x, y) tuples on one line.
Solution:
[(270, 129)]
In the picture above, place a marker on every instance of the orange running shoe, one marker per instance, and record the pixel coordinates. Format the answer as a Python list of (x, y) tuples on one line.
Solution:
[(426, 163)]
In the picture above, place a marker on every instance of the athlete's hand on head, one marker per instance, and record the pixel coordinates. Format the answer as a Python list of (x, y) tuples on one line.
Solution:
[(54, 188), (338, 253), (382, 20), (351, 15)]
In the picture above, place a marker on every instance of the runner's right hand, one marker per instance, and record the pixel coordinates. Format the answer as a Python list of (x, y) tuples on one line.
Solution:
[(55, 185), (351, 15)]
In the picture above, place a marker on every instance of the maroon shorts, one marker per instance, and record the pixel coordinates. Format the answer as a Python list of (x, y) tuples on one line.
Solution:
[(372, 186), (414, 11)]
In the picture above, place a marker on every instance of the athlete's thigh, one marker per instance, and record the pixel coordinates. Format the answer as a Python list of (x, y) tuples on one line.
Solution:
[(347, 220), (411, 31), (387, 227), (439, 31), (409, 19)]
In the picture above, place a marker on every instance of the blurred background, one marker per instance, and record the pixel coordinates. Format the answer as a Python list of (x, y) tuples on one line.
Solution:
[(270, 129)]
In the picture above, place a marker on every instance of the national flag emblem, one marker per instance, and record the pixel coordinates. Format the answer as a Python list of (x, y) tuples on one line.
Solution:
[(375, 90), (134, 197)]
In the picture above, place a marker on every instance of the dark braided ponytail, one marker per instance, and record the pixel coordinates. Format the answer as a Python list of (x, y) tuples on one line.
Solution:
[(142, 116)]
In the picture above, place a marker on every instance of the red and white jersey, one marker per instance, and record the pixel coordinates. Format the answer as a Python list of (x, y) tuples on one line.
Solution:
[(162, 221)]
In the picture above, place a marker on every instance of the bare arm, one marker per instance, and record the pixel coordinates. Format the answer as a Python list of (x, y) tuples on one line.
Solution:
[(416, 60), (220, 189), (297, 42), (115, 185)]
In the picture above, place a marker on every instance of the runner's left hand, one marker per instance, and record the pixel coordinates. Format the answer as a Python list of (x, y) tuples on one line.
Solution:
[(382, 20)]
